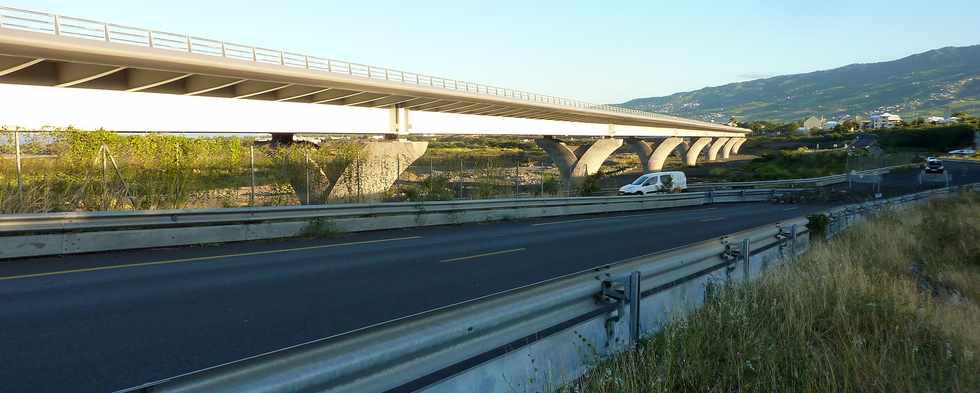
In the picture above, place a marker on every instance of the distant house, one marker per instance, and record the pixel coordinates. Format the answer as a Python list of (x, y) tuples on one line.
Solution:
[(830, 125), (884, 120), (813, 122), (936, 120)]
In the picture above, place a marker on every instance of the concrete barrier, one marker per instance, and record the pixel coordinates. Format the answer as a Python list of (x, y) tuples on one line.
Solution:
[(71, 233)]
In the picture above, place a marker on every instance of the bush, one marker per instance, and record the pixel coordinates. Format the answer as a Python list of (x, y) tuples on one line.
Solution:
[(433, 188), (932, 138)]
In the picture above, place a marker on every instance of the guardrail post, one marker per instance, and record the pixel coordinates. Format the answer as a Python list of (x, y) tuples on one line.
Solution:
[(635, 298), (745, 259), (792, 235)]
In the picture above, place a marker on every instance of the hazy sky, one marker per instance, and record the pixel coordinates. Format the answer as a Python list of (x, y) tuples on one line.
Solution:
[(598, 51)]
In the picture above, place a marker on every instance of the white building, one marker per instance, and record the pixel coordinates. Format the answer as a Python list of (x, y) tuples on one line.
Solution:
[(884, 120), (830, 125)]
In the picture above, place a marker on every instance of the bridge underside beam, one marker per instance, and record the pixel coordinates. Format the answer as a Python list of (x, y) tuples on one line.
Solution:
[(251, 116), (576, 163)]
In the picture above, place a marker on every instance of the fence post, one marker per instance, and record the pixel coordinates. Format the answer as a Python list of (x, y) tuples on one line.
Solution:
[(105, 179), (20, 181), (112, 160), (517, 179), (634, 298), (251, 164), (306, 166), (542, 183), (176, 176)]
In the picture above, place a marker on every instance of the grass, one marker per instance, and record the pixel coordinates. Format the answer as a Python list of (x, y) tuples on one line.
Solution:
[(889, 306)]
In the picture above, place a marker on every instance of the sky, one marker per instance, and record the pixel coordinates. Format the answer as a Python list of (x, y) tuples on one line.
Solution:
[(596, 51)]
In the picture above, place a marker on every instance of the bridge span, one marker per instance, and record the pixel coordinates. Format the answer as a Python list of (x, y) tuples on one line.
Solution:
[(45, 49)]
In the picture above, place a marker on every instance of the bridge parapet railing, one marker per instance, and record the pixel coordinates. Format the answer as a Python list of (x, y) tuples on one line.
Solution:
[(66, 26)]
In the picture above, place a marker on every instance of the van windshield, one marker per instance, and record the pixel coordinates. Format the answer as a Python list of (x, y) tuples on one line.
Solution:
[(639, 180)]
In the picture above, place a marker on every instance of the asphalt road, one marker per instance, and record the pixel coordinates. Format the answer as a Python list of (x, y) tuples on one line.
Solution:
[(106, 321)]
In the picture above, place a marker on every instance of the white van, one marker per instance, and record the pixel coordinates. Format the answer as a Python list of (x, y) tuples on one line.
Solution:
[(655, 182)]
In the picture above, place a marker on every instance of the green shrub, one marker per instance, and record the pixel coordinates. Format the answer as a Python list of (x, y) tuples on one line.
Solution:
[(432, 188)]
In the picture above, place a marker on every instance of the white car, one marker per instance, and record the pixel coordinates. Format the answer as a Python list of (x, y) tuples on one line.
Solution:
[(656, 182), (964, 152)]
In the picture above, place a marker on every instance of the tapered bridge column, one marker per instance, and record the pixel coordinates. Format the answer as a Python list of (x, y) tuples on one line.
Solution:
[(715, 147), (575, 163), (652, 159), (726, 151), (691, 159), (361, 175), (738, 145)]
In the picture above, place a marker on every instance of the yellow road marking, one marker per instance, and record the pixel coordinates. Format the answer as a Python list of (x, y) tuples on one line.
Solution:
[(511, 251), (616, 218), (197, 259)]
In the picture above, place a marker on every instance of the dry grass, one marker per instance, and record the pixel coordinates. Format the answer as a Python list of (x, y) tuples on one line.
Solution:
[(891, 306)]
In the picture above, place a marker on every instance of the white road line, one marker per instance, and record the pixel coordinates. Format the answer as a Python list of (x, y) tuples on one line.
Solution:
[(619, 217), (486, 254)]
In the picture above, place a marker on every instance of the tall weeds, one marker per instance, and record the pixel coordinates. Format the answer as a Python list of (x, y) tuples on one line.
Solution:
[(890, 306)]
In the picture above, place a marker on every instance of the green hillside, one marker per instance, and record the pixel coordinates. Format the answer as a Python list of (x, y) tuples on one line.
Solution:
[(936, 82)]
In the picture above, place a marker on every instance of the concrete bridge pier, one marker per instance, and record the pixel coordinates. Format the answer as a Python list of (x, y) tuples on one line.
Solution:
[(715, 148), (576, 163), (377, 167), (282, 139), (653, 159), (693, 152), (726, 151), (364, 174), (738, 144)]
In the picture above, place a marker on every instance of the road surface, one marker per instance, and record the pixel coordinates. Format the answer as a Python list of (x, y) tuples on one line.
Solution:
[(107, 321)]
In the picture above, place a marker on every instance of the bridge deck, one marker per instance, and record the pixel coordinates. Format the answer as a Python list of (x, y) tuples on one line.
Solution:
[(52, 50)]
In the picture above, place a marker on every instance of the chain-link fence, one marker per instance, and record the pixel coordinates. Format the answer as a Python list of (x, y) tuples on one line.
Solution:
[(71, 170)]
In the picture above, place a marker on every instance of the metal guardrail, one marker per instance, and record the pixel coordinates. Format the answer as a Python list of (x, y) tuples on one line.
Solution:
[(394, 354), (802, 182), (398, 353), (66, 26), (86, 221), (843, 217)]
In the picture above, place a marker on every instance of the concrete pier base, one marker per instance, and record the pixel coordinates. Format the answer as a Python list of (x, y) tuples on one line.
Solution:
[(576, 163), (653, 159)]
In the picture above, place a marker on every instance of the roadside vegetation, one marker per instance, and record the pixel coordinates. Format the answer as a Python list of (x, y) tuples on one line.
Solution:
[(76, 170), (892, 305)]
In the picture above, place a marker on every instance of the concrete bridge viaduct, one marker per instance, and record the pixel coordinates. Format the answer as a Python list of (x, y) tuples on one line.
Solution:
[(60, 51)]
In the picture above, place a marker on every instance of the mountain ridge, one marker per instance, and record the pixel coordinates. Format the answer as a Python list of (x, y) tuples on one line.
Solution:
[(935, 82)]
